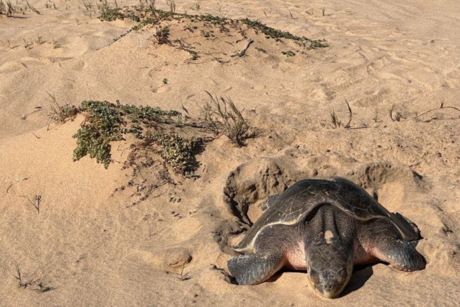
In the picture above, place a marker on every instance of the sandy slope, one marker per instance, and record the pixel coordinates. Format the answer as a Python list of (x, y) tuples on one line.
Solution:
[(94, 251)]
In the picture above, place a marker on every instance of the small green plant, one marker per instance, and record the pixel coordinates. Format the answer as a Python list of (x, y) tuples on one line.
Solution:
[(143, 23), (215, 20), (335, 119), (314, 44), (288, 53), (222, 116), (177, 151), (162, 35), (193, 54), (60, 113), (109, 14), (165, 81), (336, 122)]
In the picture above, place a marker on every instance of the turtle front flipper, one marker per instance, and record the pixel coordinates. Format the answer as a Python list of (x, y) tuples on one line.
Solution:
[(253, 269), (382, 240), (403, 256)]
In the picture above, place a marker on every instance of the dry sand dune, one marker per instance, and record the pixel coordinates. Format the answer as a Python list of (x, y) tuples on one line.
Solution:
[(90, 246)]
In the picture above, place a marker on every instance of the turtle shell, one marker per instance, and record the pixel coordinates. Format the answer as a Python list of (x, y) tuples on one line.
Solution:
[(299, 201)]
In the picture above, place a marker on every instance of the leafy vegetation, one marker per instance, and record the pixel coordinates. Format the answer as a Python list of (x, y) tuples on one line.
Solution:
[(193, 54), (108, 13), (269, 32), (103, 124), (150, 15), (288, 53), (278, 34), (143, 23), (106, 122), (162, 35), (177, 151)]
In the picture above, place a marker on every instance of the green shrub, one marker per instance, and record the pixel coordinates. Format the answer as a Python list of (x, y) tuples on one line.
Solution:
[(106, 122), (103, 124), (177, 151)]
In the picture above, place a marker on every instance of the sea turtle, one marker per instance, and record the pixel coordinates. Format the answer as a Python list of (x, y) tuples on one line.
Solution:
[(324, 227)]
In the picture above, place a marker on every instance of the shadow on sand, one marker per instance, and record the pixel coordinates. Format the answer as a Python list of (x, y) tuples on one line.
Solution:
[(361, 275)]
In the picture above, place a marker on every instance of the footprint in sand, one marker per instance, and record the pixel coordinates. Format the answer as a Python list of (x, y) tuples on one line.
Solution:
[(77, 65), (172, 260), (12, 67), (259, 87), (161, 89)]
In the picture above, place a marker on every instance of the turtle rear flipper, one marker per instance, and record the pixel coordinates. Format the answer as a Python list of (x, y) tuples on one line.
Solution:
[(253, 269)]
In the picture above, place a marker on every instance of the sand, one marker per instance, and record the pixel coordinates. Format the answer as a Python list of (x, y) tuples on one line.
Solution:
[(87, 245)]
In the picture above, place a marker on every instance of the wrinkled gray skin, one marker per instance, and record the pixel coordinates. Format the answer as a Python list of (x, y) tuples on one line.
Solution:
[(325, 227)]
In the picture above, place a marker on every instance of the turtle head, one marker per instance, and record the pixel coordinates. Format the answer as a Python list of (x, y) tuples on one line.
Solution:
[(328, 275)]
